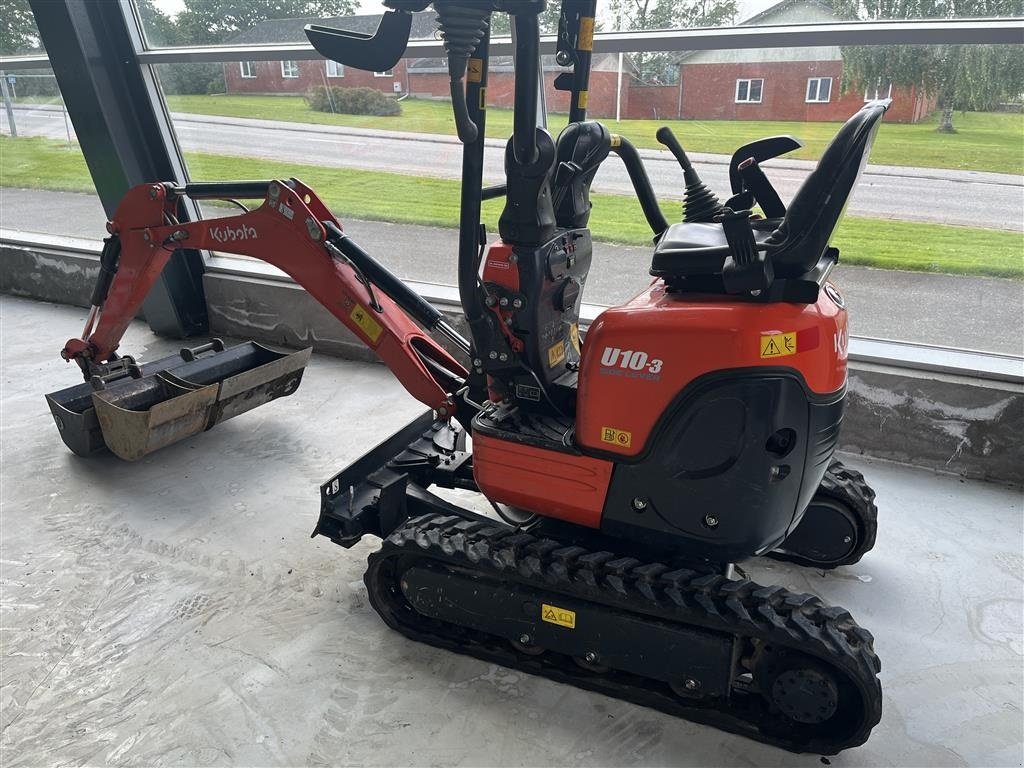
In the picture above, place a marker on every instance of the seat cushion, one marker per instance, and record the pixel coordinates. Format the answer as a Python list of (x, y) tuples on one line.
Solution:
[(679, 253)]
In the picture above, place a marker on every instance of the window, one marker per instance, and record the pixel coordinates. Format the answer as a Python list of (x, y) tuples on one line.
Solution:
[(385, 73), (248, 69), (749, 91), (334, 69), (289, 69), (819, 89), (878, 92)]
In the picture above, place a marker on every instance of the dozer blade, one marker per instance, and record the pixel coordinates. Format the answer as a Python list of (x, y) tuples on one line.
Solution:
[(152, 406)]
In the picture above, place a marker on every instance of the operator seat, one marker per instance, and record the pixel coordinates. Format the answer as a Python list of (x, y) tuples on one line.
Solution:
[(796, 242)]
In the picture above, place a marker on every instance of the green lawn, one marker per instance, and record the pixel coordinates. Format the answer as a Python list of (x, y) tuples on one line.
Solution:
[(41, 163), (985, 141)]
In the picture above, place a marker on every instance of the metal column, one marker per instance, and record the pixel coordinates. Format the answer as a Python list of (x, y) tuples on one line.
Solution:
[(124, 131)]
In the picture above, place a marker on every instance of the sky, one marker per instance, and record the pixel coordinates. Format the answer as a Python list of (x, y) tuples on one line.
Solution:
[(747, 8)]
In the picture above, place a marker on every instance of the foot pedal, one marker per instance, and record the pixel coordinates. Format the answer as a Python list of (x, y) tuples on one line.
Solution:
[(144, 408)]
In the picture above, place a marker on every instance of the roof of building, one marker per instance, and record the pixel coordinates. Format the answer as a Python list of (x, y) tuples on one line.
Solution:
[(765, 17), (291, 30)]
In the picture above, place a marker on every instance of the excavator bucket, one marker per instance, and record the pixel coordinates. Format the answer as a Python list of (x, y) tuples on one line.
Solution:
[(144, 408)]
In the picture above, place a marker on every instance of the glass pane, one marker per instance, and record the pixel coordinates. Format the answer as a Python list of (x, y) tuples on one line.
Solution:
[(228, 22), (18, 32), (931, 248), (45, 185)]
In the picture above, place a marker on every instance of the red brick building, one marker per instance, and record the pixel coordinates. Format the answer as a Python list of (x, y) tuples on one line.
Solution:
[(800, 84), (297, 77)]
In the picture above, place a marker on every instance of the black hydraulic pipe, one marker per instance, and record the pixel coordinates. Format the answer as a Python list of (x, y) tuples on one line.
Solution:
[(642, 185), (470, 293), (250, 189), (419, 308), (524, 136), (489, 193), (580, 13)]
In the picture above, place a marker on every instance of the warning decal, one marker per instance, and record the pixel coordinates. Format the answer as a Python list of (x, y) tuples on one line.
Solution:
[(582, 101), (475, 70), (563, 617), (556, 354), (483, 99), (361, 316), (617, 437), (574, 336), (778, 344), (586, 40)]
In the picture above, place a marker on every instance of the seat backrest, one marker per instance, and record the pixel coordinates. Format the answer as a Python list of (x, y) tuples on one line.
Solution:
[(818, 206)]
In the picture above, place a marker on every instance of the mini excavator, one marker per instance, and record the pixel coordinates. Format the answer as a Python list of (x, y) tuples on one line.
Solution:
[(622, 468)]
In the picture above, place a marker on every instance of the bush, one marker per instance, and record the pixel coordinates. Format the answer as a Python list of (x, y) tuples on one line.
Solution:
[(352, 101)]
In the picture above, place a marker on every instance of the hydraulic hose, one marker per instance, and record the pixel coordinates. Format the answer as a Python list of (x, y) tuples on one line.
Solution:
[(642, 185)]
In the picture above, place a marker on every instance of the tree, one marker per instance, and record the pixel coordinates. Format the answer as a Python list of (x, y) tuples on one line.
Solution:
[(668, 14), (548, 18), (205, 22), (18, 33), (964, 77)]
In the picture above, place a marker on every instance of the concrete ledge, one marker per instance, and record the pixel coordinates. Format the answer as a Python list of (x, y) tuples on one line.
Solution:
[(51, 272), (942, 421), (922, 415)]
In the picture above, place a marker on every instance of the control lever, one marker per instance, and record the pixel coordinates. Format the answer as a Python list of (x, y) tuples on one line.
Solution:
[(760, 150), (755, 183), (378, 52), (699, 202)]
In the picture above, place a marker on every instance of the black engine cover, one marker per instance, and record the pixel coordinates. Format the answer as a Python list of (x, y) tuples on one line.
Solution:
[(734, 464)]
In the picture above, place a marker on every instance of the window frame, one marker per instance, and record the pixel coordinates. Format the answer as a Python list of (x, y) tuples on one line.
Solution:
[(385, 73), (749, 81), (339, 69), (251, 67), (294, 66), (817, 91), (876, 97)]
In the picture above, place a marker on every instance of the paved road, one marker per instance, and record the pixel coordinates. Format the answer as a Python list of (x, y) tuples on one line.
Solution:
[(981, 199), (967, 312)]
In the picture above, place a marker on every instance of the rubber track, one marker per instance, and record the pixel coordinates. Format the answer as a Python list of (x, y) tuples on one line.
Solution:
[(780, 618), (848, 487)]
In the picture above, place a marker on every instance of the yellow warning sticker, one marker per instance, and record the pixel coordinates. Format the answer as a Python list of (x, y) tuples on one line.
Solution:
[(556, 354), (475, 70), (583, 99), (361, 316), (617, 437), (574, 336), (778, 344), (483, 98), (586, 34), (563, 617), (616, 140)]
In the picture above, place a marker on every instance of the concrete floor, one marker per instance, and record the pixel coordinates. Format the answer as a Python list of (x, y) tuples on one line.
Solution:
[(175, 611)]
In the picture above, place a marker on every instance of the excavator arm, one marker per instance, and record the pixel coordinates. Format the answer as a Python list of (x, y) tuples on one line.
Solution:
[(294, 231)]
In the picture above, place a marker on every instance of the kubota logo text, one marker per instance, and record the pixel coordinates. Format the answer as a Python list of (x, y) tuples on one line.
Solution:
[(627, 362), (230, 234)]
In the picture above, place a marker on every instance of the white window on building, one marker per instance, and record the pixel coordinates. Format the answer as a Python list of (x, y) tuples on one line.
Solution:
[(878, 92), (819, 89), (289, 69), (248, 69), (385, 73), (749, 91), (334, 69)]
